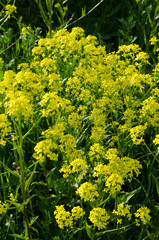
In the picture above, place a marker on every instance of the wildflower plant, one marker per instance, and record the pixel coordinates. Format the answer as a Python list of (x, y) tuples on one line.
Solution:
[(77, 121)]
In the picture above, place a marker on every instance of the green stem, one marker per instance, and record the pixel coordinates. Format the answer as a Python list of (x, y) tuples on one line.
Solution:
[(116, 201), (22, 180), (93, 234), (151, 152)]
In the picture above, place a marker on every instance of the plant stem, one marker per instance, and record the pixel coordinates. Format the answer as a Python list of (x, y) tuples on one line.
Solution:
[(22, 180)]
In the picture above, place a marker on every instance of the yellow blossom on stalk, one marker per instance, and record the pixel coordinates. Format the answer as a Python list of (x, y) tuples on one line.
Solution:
[(67, 144), (48, 65), (88, 192), (57, 5), (156, 140), (153, 40), (137, 133), (97, 134), (52, 103), (23, 66), (142, 216), (3, 207), (74, 120), (114, 140), (45, 149), (8, 81), (66, 170), (141, 58), (12, 198), (99, 217), (79, 166), (77, 213), (150, 111), (63, 217), (111, 154), (56, 132), (5, 128), (18, 104), (116, 171), (123, 211), (55, 83), (2, 142), (96, 151), (98, 117), (10, 9), (26, 30), (113, 183)]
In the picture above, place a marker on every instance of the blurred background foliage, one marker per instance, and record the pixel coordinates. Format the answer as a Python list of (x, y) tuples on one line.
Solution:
[(113, 22)]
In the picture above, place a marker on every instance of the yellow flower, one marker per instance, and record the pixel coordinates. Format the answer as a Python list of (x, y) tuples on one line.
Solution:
[(5, 128), (96, 152), (26, 30), (3, 207), (113, 183), (57, 5), (79, 166), (99, 217), (63, 217), (116, 171), (77, 213), (45, 149), (153, 40), (137, 134), (74, 120), (156, 140), (10, 9), (12, 198), (123, 210), (142, 215), (88, 192)]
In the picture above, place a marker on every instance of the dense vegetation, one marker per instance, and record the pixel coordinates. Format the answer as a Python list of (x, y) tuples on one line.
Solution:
[(79, 120)]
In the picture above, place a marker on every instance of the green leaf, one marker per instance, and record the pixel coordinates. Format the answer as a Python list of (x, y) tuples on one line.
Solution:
[(89, 230), (115, 230), (17, 236), (28, 181), (157, 183), (44, 16), (33, 220), (127, 196)]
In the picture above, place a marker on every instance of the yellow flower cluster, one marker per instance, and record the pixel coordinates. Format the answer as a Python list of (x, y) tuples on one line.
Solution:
[(87, 107), (77, 213), (10, 9), (96, 152), (25, 30), (123, 211), (65, 218), (77, 169), (137, 134), (99, 217), (5, 128), (88, 192), (142, 216), (44, 149), (156, 140), (3, 207), (116, 171), (12, 198), (153, 40)]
